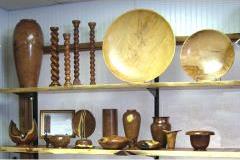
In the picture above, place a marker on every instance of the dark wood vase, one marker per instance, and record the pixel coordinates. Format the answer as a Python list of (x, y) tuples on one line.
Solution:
[(131, 124), (28, 51), (159, 124), (110, 122)]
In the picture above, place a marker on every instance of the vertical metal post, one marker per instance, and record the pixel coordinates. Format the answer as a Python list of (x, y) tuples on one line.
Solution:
[(35, 117), (156, 105), (156, 99)]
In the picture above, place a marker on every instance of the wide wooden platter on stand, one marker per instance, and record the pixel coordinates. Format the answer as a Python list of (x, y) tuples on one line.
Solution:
[(138, 46), (84, 123), (207, 55)]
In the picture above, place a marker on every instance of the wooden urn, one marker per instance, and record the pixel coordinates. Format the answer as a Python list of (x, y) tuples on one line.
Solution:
[(28, 51), (131, 123)]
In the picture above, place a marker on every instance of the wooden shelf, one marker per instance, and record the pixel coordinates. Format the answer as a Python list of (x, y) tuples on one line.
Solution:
[(211, 153), (122, 86), (98, 45)]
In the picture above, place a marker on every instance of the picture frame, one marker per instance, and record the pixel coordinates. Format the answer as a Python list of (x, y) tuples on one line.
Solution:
[(56, 122)]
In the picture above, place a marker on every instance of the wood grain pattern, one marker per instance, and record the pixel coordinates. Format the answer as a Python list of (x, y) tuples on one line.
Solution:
[(211, 153), (84, 124), (121, 86), (207, 55), (138, 46)]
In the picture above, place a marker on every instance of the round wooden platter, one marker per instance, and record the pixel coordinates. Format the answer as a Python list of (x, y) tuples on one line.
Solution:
[(207, 55), (138, 46), (84, 123)]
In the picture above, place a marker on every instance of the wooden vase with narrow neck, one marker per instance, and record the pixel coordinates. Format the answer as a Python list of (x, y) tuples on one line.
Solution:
[(28, 51), (131, 124)]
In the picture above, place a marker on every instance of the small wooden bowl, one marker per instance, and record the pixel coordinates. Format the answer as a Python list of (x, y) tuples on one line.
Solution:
[(148, 145), (59, 141), (200, 139), (113, 142)]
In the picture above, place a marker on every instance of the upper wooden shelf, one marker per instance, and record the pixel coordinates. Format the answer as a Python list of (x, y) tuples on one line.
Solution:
[(160, 85), (211, 153), (98, 45)]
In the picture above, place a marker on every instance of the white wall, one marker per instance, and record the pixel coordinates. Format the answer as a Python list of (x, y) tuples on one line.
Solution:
[(216, 110), (4, 110)]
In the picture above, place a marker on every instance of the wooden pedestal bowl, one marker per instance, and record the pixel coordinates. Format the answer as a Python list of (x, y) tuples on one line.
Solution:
[(200, 139)]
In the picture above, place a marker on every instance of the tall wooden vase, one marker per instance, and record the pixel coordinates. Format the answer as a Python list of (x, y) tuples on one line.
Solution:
[(28, 51), (131, 124), (110, 122)]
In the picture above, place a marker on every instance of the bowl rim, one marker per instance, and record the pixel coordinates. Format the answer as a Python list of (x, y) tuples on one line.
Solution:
[(200, 133), (110, 141)]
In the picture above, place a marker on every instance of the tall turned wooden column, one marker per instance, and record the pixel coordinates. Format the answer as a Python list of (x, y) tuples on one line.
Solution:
[(67, 60), (92, 52), (28, 110), (54, 57), (76, 80)]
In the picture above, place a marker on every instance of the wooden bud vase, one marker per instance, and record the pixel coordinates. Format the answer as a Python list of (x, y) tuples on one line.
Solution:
[(157, 129), (28, 51), (110, 122), (131, 124)]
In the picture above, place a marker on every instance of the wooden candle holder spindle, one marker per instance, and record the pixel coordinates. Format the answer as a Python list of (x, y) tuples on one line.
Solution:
[(92, 52), (54, 57), (67, 60), (76, 80)]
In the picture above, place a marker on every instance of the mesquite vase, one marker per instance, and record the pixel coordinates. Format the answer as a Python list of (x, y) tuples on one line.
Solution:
[(28, 51), (131, 124), (157, 129), (110, 122)]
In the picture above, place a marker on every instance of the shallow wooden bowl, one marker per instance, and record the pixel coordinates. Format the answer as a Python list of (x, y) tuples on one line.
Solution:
[(113, 142), (148, 144), (207, 55), (59, 141)]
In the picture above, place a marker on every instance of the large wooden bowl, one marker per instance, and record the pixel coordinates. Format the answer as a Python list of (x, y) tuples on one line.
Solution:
[(207, 55), (138, 46)]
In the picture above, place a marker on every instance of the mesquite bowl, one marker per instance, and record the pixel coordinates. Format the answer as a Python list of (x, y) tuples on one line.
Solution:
[(113, 142), (59, 141), (148, 144), (200, 139)]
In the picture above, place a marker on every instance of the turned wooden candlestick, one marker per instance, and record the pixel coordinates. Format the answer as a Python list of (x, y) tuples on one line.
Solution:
[(92, 52), (76, 80), (67, 60), (54, 57)]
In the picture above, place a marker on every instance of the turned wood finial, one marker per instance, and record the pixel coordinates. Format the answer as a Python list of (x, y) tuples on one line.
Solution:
[(76, 80), (67, 60), (54, 57), (92, 52)]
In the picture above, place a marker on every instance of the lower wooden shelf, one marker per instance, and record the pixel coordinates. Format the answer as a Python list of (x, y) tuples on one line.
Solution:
[(211, 153)]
